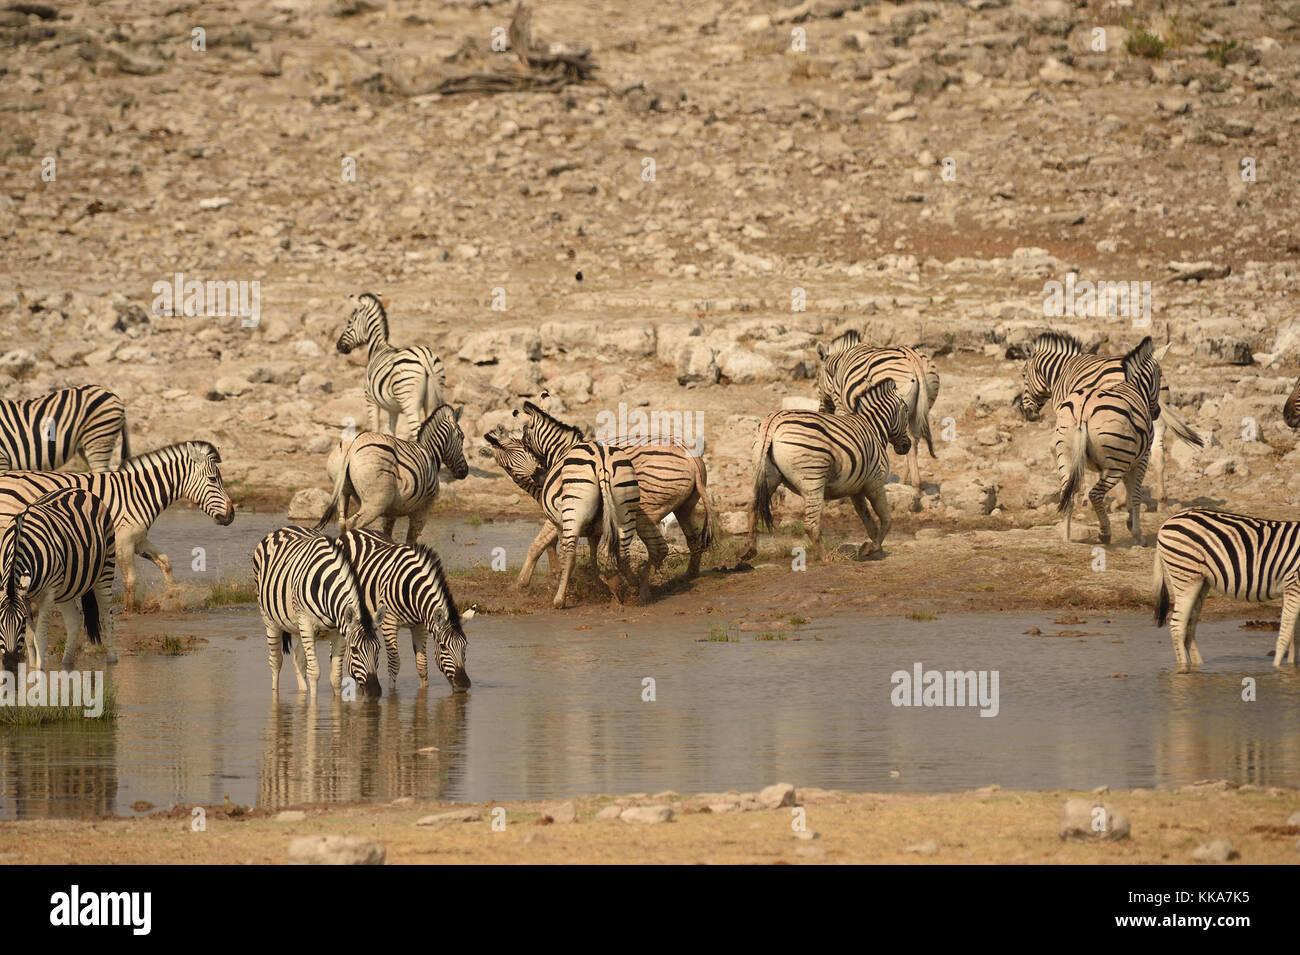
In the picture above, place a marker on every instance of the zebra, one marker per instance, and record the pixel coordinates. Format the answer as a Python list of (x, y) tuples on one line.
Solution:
[(406, 381), (56, 552), (824, 456), (42, 434), (1109, 429), (135, 494), (1291, 410), (671, 480), (1057, 366), (849, 368), (551, 441), (408, 581), (307, 585), (390, 477), (1200, 550)]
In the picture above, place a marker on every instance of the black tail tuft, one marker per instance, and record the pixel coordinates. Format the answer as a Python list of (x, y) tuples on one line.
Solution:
[(90, 610), (1162, 604), (285, 640)]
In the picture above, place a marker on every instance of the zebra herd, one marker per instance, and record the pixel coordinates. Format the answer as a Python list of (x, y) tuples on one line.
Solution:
[(66, 533)]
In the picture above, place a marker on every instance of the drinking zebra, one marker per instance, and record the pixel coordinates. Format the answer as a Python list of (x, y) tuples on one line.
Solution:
[(406, 381), (135, 494), (408, 581), (849, 369), (1247, 558), (56, 552), (552, 442), (306, 585), (1057, 367), (390, 477), (42, 434), (1108, 429), (824, 456)]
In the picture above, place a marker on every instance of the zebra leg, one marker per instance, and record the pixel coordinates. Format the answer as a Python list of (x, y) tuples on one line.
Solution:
[(685, 514), (103, 598), (1158, 428), (392, 423), (1133, 484), (913, 467), (419, 643), (545, 540), (568, 551), (880, 504), (1193, 618), (656, 547), (593, 542), (274, 654), (337, 651), (300, 666), (1286, 630), (146, 549), (415, 526), (390, 640), (307, 647), (1182, 606), (813, 504), (411, 406), (1098, 498), (873, 532), (37, 638), (73, 621)]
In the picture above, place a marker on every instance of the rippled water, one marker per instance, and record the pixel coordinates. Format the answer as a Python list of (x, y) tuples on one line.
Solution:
[(557, 711)]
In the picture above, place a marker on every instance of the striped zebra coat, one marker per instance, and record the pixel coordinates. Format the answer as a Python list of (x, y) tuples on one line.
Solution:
[(1057, 367), (1291, 410), (1109, 430), (390, 477), (135, 494), (409, 583), (399, 381), (44, 433), (306, 585), (849, 369), (1247, 558), (824, 456), (558, 445), (56, 552)]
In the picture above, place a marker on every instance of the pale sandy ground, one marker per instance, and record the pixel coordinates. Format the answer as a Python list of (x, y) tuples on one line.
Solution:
[(980, 827)]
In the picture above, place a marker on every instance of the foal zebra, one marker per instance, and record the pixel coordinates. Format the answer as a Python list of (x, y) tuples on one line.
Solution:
[(390, 477), (849, 369), (42, 434), (824, 456), (135, 494), (1109, 429), (307, 585), (406, 381), (408, 581), (1057, 367), (554, 444), (57, 552), (1248, 558)]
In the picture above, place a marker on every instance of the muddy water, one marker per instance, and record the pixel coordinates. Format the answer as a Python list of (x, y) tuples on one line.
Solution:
[(556, 711)]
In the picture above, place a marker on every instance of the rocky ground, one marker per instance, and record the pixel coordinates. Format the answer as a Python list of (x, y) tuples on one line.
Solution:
[(740, 181), (1210, 822)]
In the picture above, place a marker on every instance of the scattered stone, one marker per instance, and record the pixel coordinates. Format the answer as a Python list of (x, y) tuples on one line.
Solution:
[(927, 848), (647, 815), (1216, 850), (335, 850), (455, 815), (290, 815), (777, 796), (1080, 821), (610, 812)]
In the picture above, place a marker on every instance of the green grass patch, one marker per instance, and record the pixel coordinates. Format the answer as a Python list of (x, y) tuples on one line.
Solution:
[(48, 715), (798, 621), (771, 635), (1218, 52), (1143, 42), (921, 616), (722, 634), (226, 593)]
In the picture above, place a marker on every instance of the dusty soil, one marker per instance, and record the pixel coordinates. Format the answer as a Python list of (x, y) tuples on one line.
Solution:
[(987, 826)]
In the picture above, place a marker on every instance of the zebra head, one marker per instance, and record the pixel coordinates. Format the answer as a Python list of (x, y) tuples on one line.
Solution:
[(367, 321), (1047, 354), (442, 436), (201, 481), (361, 647), (442, 621), (883, 404), (14, 610), (517, 461), (548, 439)]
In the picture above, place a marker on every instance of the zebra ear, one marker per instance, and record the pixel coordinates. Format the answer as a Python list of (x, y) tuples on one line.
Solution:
[(380, 611), (457, 410), (1164, 349), (383, 303), (821, 352), (441, 618), (491, 438), (532, 408)]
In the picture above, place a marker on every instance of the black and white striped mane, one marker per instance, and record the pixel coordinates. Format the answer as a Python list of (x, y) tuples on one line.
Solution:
[(430, 561), (170, 452), (1055, 343), (375, 314)]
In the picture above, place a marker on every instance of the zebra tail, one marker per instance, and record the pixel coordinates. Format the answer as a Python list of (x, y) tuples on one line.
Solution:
[(1077, 450), (338, 499), (763, 493), (126, 442), (1162, 589), (921, 413), (285, 640), (609, 539), (90, 610), (706, 529), (1180, 428)]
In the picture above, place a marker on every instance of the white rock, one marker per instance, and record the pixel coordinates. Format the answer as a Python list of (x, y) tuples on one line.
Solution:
[(335, 850)]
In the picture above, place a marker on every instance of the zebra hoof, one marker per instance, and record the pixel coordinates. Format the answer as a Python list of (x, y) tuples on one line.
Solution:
[(750, 553), (866, 550)]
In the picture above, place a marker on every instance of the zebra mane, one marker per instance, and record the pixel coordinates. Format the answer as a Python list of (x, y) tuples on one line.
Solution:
[(14, 531), (1056, 343), (431, 562), (367, 623), (554, 422), (844, 341), (1138, 356), (167, 452), (379, 311), (430, 422)]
